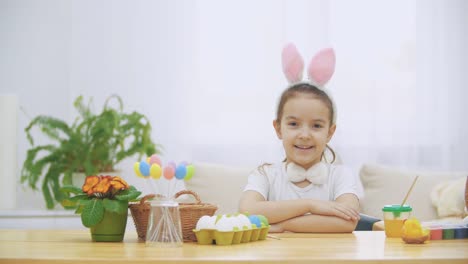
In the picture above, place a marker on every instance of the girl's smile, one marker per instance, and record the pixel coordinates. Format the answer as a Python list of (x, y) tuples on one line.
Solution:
[(303, 147)]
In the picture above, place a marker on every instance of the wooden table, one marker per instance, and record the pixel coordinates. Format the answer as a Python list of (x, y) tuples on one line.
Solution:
[(75, 246)]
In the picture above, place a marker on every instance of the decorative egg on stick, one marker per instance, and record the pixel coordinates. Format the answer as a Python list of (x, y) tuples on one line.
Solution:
[(144, 170), (152, 170)]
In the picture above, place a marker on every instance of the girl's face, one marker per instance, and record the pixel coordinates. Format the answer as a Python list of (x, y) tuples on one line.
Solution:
[(304, 129)]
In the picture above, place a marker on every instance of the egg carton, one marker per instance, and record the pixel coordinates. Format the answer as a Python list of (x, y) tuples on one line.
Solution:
[(213, 236)]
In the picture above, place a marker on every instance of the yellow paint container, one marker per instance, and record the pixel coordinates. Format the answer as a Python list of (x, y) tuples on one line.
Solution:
[(395, 216)]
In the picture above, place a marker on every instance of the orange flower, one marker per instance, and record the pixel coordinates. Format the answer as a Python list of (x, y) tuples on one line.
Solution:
[(90, 182), (118, 183), (103, 185)]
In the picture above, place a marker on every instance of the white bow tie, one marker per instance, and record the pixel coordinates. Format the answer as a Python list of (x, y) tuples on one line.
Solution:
[(316, 174)]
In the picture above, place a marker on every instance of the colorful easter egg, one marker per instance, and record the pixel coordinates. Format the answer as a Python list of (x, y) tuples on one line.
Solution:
[(255, 220), (180, 172), (169, 172), (263, 220), (190, 172), (155, 171), (144, 168), (154, 159), (136, 168)]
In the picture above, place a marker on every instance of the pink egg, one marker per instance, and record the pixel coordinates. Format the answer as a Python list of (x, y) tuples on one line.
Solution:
[(169, 172), (155, 159)]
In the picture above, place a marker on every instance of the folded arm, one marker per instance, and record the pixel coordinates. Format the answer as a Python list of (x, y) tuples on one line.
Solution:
[(315, 224), (304, 215)]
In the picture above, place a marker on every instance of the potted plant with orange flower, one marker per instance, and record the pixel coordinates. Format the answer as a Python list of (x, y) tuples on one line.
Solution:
[(103, 205)]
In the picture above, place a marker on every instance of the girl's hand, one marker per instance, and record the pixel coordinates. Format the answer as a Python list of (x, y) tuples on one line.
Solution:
[(332, 208)]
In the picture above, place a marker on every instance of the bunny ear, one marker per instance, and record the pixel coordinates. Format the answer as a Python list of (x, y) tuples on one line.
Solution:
[(322, 66), (293, 64)]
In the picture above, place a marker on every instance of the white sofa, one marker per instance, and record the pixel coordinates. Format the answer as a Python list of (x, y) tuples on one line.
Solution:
[(222, 185)]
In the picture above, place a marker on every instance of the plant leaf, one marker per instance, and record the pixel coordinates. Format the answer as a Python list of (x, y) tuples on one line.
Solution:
[(93, 212), (115, 205), (78, 197), (32, 169), (80, 205), (129, 194), (71, 189), (47, 195), (79, 209), (59, 195), (68, 203), (50, 126)]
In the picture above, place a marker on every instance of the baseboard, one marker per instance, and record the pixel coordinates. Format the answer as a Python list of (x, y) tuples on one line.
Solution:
[(44, 219)]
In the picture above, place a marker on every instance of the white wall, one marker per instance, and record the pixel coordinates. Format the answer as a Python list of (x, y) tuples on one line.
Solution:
[(207, 73)]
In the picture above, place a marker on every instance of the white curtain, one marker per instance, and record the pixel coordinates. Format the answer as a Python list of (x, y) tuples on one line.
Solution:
[(207, 73), (399, 85)]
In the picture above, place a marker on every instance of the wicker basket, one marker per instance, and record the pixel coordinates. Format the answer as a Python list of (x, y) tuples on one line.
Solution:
[(189, 214), (140, 214)]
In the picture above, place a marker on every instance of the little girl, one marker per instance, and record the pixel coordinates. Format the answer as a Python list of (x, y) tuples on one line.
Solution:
[(304, 193)]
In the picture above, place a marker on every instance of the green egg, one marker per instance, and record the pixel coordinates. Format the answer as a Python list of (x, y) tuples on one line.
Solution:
[(263, 220)]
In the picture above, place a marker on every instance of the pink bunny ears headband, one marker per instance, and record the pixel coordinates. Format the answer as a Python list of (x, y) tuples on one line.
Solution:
[(320, 70)]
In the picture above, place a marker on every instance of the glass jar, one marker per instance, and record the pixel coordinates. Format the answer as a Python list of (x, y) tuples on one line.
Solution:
[(164, 227)]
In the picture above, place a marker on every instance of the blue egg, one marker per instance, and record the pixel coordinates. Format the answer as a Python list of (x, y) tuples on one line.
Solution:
[(180, 172), (255, 220), (144, 168)]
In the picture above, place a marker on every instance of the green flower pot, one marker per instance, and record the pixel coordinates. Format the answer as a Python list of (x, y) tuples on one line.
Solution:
[(111, 228)]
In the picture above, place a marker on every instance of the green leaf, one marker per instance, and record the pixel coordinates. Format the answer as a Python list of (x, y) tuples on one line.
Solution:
[(52, 177), (93, 211), (131, 195), (68, 203), (79, 208), (71, 189), (47, 195), (115, 205), (50, 126), (32, 167), (78, 197)]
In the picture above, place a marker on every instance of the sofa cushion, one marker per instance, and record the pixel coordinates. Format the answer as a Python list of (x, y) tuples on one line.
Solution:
[(388, 185), (448, 197), (219, 184)]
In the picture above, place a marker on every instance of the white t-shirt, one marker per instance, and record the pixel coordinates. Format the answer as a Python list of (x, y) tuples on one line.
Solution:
[(272, 182)]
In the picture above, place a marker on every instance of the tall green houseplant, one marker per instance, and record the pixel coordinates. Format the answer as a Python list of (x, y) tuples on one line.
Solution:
[(93, 143)]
